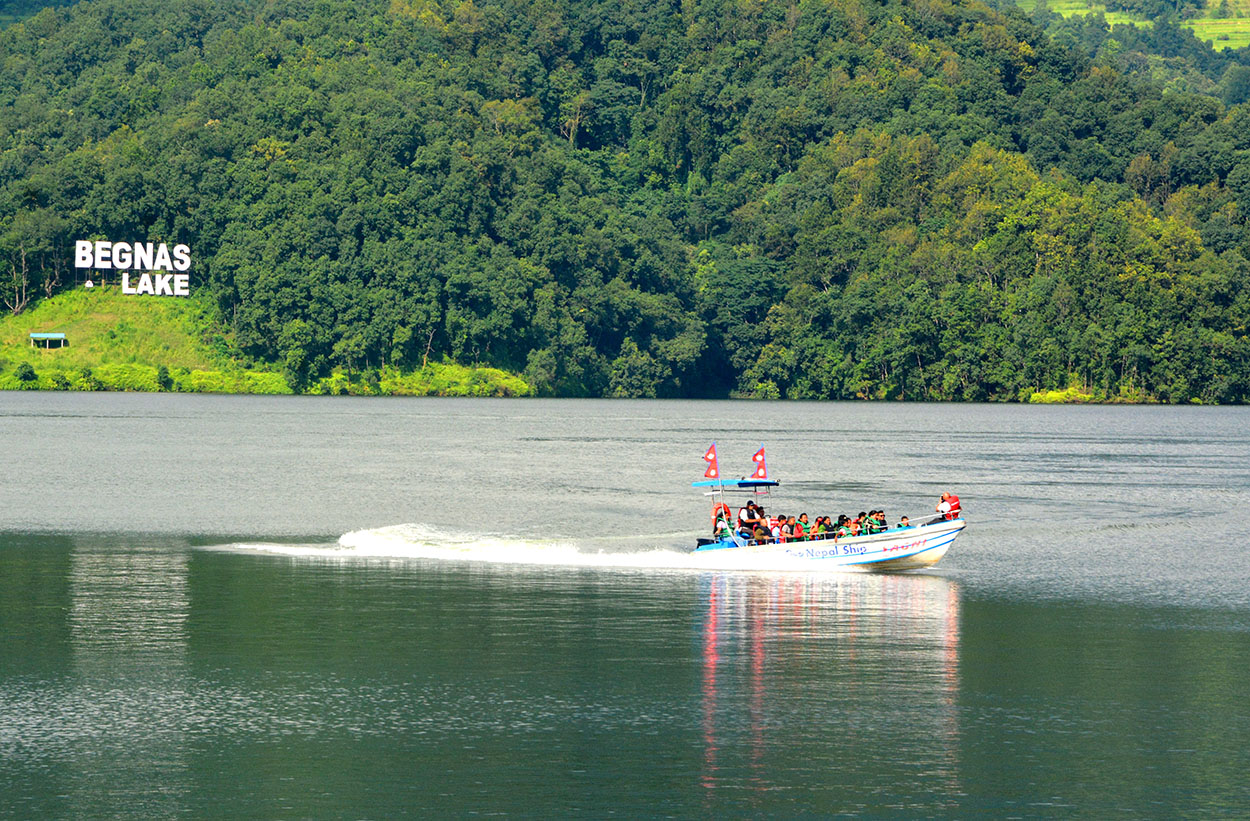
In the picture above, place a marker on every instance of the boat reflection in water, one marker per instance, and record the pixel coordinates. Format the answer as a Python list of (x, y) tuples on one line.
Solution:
[(843, 685)]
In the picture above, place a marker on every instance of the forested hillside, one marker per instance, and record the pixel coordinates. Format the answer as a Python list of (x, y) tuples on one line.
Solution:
[(815, 199)]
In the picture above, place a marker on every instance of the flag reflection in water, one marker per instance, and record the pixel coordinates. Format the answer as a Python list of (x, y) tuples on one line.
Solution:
[(839, 684)]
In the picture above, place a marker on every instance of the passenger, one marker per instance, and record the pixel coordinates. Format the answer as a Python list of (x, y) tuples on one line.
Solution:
[(879, 525), (855, 527), (788, 533), (949, 506), (844, 526), (766, 520), (803, 528), (721, 525), (903, 523), (760, 535), (748, 517), (775, 530), (745, 514)]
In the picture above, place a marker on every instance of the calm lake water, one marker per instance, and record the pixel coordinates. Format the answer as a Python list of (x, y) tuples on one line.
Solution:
[(334, 607)]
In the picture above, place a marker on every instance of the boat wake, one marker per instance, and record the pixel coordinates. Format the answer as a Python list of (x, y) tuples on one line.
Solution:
[(424, 542)]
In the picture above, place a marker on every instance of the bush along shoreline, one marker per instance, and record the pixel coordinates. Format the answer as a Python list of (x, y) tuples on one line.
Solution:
[(443, 379)]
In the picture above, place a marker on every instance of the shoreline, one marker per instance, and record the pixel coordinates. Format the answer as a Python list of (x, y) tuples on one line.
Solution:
[(497, 384)]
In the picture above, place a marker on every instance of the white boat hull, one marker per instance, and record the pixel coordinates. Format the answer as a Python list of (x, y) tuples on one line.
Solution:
[(906, 549)]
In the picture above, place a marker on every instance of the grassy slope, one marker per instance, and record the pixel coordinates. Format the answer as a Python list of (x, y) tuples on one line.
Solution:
[(123, 341), (103, 326)]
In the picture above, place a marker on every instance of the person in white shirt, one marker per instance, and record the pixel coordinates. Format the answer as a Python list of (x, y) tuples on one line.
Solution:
[(748, 518)]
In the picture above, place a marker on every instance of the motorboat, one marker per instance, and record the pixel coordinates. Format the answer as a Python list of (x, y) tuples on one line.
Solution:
[(909, 547)]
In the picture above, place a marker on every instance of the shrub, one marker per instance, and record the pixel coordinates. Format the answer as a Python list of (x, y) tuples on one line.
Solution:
[(88, 382), (127, 377), (25, 373), (265, 382)]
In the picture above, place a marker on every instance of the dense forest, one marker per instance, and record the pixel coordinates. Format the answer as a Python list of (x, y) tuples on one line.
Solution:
[(808, 199)]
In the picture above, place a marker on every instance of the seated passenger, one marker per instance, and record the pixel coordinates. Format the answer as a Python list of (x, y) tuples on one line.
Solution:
[(748, 517), (802, 527), (787, 529), (903, 523), (760, 535)]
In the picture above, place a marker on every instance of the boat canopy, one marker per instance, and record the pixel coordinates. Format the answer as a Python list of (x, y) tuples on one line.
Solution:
[(736, 484)]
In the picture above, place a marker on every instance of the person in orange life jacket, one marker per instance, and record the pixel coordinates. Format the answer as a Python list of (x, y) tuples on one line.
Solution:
[(949, 506)]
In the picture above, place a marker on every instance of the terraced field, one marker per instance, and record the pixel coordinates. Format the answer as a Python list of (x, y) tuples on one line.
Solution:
[(1231, 32), (1070, 8), (1223, 26)]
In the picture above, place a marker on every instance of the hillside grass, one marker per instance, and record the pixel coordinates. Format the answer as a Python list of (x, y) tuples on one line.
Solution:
[(103, 326), (119, 342)]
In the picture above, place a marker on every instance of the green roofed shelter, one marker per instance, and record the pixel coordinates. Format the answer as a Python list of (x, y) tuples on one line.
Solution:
[(48, 338)]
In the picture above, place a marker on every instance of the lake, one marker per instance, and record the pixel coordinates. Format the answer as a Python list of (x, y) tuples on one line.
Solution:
[(307, 607)]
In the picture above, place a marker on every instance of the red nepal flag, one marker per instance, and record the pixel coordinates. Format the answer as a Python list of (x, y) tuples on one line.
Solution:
[(761, 468), (712, 472)]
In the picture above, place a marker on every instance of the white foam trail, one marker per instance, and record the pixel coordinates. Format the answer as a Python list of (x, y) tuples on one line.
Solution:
[(417, 541)]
